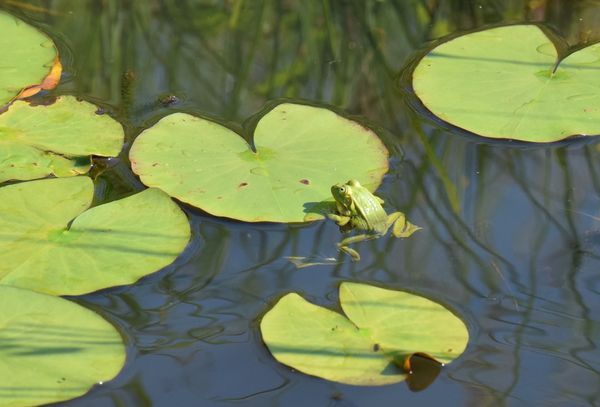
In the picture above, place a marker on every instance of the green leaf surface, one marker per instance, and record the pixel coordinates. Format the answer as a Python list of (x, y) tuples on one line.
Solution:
[(58, 139), (49, 244), (383, 328), (300, 152), (52, 349), (404, 323), (508, 82), (27, 56)]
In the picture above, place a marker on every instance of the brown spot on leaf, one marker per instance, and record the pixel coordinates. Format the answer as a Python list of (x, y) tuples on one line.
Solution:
[(304, 181), (376, 347), (243, 184), (155, 164)]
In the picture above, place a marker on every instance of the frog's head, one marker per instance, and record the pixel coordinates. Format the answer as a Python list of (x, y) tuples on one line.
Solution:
[(342, 193)]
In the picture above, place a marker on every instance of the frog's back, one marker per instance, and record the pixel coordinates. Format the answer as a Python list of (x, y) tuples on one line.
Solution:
[(372, 216)]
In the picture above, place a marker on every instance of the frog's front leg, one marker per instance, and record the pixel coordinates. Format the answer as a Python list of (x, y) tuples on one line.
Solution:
[(343, 245), (400, 226), (341, 220)]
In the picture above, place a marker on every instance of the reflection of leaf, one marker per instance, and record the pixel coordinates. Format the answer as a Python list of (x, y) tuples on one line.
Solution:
[(506, 82), (39, 140), (112, 244), (300, 152), (27, 56), (371, 346), (52, 349)]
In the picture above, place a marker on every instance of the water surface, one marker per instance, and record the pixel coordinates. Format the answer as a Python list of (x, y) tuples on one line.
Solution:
[(511, 232)]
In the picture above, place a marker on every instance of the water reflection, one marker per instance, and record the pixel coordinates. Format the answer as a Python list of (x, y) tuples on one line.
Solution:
[(510, 233)]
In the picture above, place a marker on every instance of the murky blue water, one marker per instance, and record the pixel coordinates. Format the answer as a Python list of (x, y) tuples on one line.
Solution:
[(511, 237)]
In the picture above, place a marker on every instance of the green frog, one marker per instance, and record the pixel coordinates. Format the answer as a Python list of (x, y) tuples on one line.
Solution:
[(358, 208)]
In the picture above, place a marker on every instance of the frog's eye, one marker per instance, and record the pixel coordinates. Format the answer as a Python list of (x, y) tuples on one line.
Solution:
[(342, 189)]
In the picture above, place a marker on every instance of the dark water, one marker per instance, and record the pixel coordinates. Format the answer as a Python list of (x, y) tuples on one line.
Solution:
[(511, 237)]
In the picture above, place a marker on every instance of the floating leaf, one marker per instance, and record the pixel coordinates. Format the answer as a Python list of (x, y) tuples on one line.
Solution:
[(507, 82), (47, 244), (300, 152), (374, 345), (55, 139), (27, 57), (52, 349)]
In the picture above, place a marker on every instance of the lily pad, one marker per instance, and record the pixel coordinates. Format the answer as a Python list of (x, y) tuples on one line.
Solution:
[(52, 349), (372, 345), (58, 139), (508, 82), (49, 244), (27, 57), (300, 152)]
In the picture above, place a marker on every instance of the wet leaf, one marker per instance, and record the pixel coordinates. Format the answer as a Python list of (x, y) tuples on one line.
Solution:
[(50, 243), (58, 139), (27, 57), (300, 152), (52, 349), (382, 332), (508, 82)]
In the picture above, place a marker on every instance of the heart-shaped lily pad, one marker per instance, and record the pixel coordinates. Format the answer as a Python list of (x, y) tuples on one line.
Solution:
[(47, 244), (27, 57), (58, 139), (507, 82), (52, 349), (373, 345), (300, 152)]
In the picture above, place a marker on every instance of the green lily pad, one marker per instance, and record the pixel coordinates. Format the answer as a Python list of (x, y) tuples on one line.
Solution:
[(300, 152), (371, 346), (58, 139), (27, 57), (49, 244), (52, 349), (508, 82)]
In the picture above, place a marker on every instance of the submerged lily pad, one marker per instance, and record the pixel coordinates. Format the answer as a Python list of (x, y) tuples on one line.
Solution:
[(508, 82), (49, 244), (58, 139), (372, 345), (300, 152), (52, 349), (27, 57)]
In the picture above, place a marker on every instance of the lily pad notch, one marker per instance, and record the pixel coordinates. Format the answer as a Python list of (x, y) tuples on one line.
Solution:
[(56, 245), (382, 339), (300, 151), (510, 83)]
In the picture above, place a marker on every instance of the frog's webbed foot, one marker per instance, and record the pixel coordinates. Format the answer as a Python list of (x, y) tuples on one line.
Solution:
[(343, 245), (400, 226), (353, 253)]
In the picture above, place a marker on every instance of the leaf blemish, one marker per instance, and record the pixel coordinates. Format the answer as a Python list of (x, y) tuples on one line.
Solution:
[(304, 181), (243, 184)]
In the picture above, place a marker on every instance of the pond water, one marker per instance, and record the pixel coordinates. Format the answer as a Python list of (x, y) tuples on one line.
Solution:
[(511, 231)]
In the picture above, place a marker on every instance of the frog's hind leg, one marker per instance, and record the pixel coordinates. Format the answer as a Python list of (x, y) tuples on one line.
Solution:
[(400, 226), (343, 245)]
